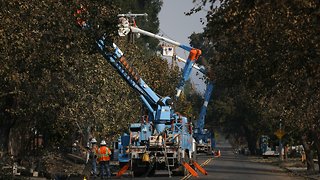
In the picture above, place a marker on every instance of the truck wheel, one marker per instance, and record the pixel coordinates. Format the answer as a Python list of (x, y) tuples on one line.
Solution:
[(138, 172), (152, 172)]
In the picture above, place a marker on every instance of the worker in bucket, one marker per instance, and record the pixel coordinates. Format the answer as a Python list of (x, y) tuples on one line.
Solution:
[(103, 156)]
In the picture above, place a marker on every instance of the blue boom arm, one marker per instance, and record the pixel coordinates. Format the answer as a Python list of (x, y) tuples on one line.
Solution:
[(159, 108), (125, 28), (200, 123)]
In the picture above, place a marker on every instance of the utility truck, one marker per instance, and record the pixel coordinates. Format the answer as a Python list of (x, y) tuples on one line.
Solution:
[(163, 138), (204, 139)]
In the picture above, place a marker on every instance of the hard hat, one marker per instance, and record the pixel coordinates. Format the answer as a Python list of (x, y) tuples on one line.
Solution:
[(103, 143), (88, 145), (93, 140)]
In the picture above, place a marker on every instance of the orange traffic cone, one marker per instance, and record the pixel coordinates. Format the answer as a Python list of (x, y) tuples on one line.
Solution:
[(217, 154)]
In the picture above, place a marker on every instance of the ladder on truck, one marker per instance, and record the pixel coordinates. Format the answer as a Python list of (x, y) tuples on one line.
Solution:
[(165, 152)]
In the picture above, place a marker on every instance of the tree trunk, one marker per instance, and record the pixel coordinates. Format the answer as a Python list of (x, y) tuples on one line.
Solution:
[(4, 138), (252, 146), (251, 138), (18, 142), (309, 154), (318, 153), (316, 137), (252, 142), (6, 123)]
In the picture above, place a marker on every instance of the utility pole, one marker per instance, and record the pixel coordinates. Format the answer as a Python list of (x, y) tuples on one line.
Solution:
[(280, 143)]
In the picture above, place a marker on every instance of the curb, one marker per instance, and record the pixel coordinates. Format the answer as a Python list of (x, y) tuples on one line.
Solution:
[(298, 174)]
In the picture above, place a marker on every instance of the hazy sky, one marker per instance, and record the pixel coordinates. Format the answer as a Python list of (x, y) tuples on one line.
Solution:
[(174, 24)]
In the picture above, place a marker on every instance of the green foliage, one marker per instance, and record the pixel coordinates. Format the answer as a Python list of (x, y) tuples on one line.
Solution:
[(265, 54), (53, 80), (45, 61)]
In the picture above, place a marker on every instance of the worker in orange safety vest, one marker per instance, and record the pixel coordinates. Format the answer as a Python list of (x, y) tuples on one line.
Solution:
[(103, 157)]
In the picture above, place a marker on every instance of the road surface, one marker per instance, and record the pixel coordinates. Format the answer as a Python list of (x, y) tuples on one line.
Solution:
[(231, 166), (235, 166)]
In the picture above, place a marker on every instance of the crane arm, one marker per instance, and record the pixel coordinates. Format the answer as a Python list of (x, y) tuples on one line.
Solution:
[(126, 71), (202, 69), (160, 111), (138, 30), (159, 107), (194, 54), (200, 123)]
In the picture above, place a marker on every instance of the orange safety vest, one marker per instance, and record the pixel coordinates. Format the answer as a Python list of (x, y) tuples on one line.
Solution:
[(103, 154)]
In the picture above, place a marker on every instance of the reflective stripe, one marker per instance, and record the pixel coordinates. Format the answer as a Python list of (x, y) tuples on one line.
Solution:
[(103, 157), (107, 150)]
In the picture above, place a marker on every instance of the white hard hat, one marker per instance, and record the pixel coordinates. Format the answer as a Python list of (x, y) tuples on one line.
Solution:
[(88, 145), (103, 142), (93, 140)]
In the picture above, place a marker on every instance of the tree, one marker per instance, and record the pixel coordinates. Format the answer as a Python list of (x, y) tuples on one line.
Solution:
[(268, 51), (53, 81)]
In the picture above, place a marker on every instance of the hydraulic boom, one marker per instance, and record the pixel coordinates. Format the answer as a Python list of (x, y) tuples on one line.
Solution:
[(125, 27), (159, 108)]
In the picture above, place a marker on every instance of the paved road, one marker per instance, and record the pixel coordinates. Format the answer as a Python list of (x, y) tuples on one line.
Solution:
[(233, 166), (229, 166)]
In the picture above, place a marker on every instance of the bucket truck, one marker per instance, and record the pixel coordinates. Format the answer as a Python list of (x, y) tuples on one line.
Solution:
[(204, 139), (125, 27), (163, 139), (164, 135)]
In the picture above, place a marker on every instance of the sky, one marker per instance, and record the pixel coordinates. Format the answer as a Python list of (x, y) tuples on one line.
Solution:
[(174, 24)]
